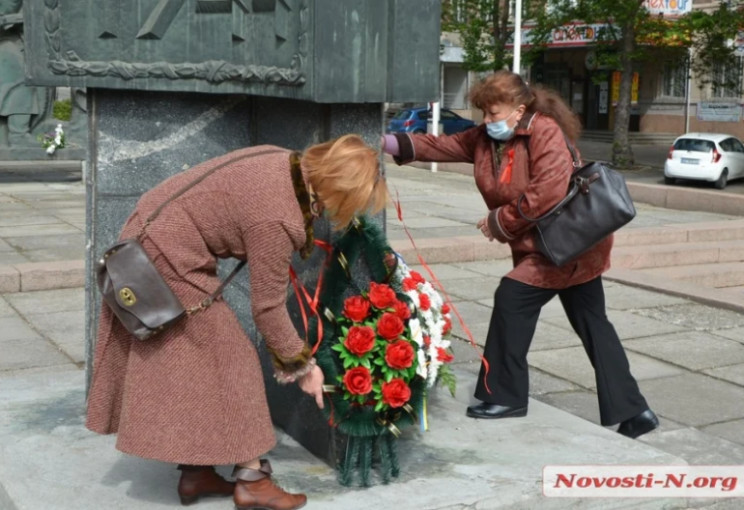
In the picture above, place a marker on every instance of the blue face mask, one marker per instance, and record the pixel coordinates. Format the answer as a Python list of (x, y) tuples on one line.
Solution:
[(499, 130)]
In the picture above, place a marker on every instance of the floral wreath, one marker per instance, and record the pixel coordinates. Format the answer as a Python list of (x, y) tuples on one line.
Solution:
[(382, 347)]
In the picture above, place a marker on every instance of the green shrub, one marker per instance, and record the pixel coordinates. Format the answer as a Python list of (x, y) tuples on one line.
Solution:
[(62, 110)]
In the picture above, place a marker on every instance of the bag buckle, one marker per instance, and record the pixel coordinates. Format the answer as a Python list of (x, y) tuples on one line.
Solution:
[(583, 183), (203, 305)]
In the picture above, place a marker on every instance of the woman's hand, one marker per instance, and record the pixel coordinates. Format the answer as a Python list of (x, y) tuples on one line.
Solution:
[(483, 227), (312, 384)]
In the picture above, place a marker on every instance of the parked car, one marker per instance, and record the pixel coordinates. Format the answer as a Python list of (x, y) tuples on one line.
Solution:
[(712, 157), (414, 120)]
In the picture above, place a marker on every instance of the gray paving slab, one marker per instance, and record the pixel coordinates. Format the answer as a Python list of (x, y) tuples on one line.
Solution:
[(542, 383), (695, 350), (13, 257), (731, 430), (4, 247), (579, 402), (30, 353), (732, 373), (572, 364), (450, 466), (696, 316), (5, 309), (695, 399), (68, 245), (65, 329), (26, 217), (697, 448), (736, 334), (622, 297), (472, 289), (13, 327), (445, 272), (548, 337), (493, 268), (48, 301)]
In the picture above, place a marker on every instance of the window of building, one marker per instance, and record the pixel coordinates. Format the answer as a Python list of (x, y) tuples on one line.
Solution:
[(674, 79), (727, 79)]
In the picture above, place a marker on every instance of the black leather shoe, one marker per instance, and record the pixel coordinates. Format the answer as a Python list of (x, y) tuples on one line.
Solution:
[(639, 424), (485, 410)]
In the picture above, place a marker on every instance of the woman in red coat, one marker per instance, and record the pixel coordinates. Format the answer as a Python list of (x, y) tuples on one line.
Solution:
[(521, 149), (194, 395)]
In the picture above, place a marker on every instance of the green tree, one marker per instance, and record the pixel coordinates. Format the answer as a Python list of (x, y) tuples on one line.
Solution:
[(484, 30)]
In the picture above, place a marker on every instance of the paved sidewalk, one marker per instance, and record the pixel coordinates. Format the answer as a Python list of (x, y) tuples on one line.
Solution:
[(688, 358)]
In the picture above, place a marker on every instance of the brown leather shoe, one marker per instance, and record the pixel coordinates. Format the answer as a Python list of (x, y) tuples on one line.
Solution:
[(255, 490), (198, 481)]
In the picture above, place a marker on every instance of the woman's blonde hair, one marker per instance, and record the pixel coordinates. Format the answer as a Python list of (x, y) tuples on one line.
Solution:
[(345, 174), (509, 88)]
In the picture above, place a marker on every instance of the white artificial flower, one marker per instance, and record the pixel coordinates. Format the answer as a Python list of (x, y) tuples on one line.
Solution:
[(50, 149)]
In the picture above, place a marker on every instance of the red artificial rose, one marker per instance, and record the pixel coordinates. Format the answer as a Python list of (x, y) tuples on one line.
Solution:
[(358, 381), (402, 310), (360, 340), (445, 309), (443, 355), (399, 355), (409, 284), (395, 393), (381, 296), (427, 340), (417, 277), (447, 326), (356, 308), (424, 302), (390, 326)]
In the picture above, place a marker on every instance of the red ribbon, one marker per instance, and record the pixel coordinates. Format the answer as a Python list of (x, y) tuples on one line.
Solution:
[(312, 302), (506, 175), (486, 366)]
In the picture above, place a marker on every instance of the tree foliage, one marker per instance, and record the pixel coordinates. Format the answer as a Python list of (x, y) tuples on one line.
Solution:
[(484, 30)]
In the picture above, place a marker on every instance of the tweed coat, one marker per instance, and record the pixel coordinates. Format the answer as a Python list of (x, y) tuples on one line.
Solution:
[(541, 167), (195, 394)]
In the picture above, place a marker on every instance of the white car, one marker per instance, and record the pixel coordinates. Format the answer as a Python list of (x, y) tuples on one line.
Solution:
[(711, 157)]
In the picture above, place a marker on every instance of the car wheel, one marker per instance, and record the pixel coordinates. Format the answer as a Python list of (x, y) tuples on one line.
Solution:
[(669, 180), (722, 180)]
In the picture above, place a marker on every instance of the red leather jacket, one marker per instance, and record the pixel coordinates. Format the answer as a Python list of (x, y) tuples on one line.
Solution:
[(536, 162)]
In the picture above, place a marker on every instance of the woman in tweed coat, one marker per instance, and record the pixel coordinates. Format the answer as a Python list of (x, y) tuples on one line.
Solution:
[(195, 395), (521, 149)]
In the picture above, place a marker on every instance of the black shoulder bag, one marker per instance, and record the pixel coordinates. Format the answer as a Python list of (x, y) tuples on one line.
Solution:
[(597, 204)]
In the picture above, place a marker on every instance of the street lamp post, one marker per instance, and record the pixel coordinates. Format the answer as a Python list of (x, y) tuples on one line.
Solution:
[(517, 36)]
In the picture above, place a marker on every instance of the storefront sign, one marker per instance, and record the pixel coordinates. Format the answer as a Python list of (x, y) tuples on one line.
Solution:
[(719, 112), (566, 36), (669, 7)]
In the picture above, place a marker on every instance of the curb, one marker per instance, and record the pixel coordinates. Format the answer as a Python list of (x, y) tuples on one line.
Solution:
[(42, 276)]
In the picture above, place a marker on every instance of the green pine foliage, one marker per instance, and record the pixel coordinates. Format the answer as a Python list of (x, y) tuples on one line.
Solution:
[(369, 431)]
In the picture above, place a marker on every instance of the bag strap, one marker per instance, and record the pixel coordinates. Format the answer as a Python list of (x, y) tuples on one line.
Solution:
[(572, 191), (193, 183), (214, 296)]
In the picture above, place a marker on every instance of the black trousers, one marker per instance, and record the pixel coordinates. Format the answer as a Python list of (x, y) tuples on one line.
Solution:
[(513, 321)]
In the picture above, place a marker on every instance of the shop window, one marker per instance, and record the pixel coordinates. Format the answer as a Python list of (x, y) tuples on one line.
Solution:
[(674, 79)]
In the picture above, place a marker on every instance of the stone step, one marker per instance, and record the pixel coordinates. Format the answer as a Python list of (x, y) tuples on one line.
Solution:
[(677, 254), (719, 276), (681, 233)]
